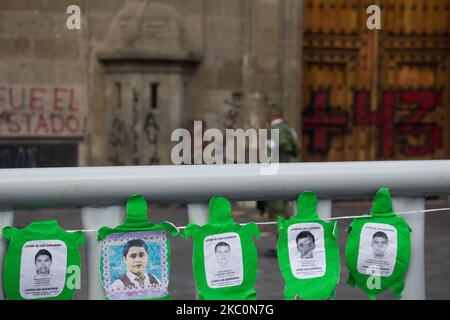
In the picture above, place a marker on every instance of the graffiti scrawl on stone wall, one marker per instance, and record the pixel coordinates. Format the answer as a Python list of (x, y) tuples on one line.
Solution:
[(30, 111), (135, 128), (151, 130), (234, 107), (132, 137)]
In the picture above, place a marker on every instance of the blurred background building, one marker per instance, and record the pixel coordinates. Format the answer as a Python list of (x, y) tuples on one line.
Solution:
[(112, 92), (370, 95)]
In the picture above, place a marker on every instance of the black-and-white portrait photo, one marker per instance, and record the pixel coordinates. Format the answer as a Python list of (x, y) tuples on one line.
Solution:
[(43, 269), (377, 249), (223, 260), (306, 250), (223, 254), (43, 261), (305, 244), (380, 243)]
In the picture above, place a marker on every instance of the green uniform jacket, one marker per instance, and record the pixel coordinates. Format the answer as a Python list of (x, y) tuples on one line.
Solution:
[(287, 145)]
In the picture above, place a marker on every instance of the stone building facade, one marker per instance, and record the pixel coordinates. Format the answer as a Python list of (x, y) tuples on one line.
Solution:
[(112, 92)]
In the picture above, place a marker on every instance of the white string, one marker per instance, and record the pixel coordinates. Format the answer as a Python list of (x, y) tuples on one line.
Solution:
[(330, 219), (335, 218)]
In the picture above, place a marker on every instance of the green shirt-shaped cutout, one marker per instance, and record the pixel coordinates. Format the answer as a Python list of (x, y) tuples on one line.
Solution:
[(135, 256), (378, 249), (225, 259), (42, 262), (308, 253)]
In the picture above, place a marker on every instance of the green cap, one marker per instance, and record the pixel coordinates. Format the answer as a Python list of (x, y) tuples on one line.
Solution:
[(275, 108)]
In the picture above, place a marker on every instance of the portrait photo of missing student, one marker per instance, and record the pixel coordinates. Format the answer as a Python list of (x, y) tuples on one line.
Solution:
[(223, 260), (135, 257), (223, 254), (306, 250), (43, 269), (306, 244), (378, 249), (43, 261), (134, 265), (380, 243)]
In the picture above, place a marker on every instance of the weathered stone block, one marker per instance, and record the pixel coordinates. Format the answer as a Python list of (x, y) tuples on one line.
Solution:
[(57, 49), (70, 72), (229, 77), (40, 5), (2, 24), (15, 48), (106, 6)]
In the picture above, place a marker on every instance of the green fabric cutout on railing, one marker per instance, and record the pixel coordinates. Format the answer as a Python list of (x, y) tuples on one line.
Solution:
[(135, 259), (378, 249), (225, 260), (42, 262), (308, 253)]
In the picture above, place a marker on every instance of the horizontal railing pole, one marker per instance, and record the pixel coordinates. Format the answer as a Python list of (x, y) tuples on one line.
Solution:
[(84, 186)]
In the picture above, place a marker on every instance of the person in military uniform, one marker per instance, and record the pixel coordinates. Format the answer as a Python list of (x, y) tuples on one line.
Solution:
[(287, 136), (288, 148)]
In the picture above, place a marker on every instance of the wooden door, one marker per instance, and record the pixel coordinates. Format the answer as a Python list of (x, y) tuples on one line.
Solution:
[(376, 94)]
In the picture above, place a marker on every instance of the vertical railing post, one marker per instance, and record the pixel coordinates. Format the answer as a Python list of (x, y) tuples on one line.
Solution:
[(415, 277), (198, 213), (94, 218), (6, 220), (324, 208)]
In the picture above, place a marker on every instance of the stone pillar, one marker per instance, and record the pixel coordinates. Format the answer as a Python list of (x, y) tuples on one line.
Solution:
[(290, 50)]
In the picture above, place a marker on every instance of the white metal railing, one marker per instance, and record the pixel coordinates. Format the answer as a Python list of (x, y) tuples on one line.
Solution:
[(102, 191)]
